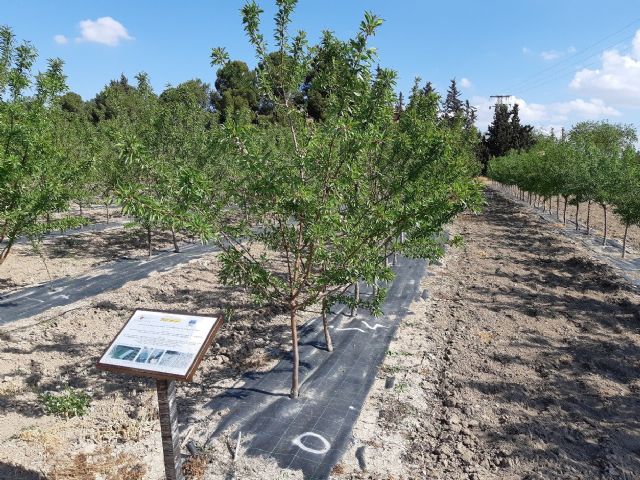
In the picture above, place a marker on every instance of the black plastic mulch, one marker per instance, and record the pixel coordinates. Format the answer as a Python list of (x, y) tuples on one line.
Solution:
[(312, 432)]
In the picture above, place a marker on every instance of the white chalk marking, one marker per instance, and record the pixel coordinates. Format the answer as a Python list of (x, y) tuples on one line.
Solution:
[(374, 328), (325, 444)]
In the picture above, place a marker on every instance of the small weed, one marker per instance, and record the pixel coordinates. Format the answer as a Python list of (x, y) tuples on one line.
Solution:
[(401, 387), (457, 241), (399, 353), (392, 369), (69, 403), (409, 324)]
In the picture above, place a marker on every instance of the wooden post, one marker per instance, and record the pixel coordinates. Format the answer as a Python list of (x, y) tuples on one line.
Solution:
[(169, 429)]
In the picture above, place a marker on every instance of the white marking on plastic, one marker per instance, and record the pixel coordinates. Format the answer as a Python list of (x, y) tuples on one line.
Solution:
[(374, 328), (325, 444)]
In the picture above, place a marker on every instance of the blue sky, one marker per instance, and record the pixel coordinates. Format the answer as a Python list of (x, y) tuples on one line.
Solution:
[(563, 60)]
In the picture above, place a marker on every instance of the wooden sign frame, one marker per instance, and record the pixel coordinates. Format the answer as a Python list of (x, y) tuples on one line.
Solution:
[(160, 375)]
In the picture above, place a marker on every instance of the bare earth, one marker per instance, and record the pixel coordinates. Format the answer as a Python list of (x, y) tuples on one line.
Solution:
[(523, 363), (59, 349), (74, 255)]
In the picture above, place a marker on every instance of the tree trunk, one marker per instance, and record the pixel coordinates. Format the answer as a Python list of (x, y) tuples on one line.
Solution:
[(149, 239), (564, 215), (624, 239), (176, 248), (108, 216), (588, 215), (356, 297), (295, 386), (80, 205), (4, 252), (577, 213), (325, 326), (558, 207), (604, 236)]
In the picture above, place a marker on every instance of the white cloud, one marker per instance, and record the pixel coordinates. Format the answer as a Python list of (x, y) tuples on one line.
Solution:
[(617, 80), (526, 50), (544, 116), (465, 83), (60, 39), (550, 55), (104, 30), (555, 54)]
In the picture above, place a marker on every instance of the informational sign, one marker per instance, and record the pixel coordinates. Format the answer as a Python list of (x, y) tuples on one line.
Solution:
[(161, 345)]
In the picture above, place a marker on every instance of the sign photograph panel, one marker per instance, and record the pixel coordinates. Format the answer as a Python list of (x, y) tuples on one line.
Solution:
[(161, 344)]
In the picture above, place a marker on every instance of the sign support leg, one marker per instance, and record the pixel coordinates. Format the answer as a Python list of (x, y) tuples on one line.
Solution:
[(169, 429)]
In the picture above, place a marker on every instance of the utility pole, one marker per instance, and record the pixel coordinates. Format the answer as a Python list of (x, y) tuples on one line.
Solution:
[(501, 100)]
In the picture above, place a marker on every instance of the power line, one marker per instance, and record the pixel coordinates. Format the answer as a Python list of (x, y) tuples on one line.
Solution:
[(580, 53), (569, 69)]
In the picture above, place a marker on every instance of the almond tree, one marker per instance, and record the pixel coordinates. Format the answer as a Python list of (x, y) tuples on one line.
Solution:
[(36, 177), (600, 147), (162, 163), (626, 199), (325, 200)]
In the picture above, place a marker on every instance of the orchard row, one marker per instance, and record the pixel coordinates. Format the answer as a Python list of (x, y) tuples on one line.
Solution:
[(595, 163)]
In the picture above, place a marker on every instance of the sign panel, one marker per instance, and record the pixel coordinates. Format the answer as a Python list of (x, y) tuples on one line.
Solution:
[(161, 345)]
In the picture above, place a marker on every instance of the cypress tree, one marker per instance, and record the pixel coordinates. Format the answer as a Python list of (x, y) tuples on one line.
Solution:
[(428, 89), (452, 106), (522, 135)]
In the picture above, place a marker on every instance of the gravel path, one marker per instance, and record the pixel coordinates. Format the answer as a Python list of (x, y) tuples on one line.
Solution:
[(524, 363)]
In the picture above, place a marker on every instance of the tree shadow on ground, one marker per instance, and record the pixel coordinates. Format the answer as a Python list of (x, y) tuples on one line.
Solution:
[(15, 472), (107, 245)]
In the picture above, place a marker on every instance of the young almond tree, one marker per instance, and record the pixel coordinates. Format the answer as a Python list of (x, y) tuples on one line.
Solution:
[(600, 147), (326, 199), (165, 187), (36, 177), (626, 200)]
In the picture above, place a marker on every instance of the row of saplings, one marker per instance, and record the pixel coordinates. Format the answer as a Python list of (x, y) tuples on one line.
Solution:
[(596, 162)]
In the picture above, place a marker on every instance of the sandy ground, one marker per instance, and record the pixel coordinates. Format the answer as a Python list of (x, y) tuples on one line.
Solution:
[(524, 363), (60, 348), (74, 254)]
